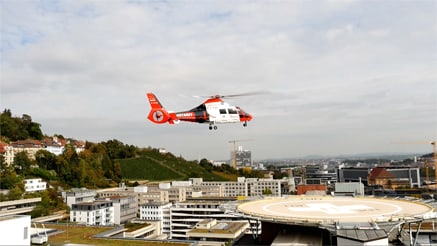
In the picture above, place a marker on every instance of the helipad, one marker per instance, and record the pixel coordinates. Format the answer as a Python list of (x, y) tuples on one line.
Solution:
[(321, 209)]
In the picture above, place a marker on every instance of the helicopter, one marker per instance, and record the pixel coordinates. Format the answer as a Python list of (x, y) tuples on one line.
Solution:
[(212, 111)]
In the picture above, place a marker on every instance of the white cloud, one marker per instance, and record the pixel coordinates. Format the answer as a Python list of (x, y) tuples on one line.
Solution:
[(337, 70)]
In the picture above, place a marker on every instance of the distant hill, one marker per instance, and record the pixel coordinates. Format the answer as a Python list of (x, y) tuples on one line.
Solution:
[(104, 161), (154, 166), (385, 156)]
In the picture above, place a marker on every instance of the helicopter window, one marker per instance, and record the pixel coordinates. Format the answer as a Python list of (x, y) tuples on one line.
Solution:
[(232, 111), (222, 111)]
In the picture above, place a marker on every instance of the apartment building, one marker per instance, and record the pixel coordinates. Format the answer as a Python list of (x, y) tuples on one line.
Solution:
[(93, 213), (142, 194), (206, 191), (220, 233), (30, 147), (349, 188), (248, 186), (241, 158), (177, 190), (78, 195), (392, 178), (15, 230), (125, 208), (157, 212), (153, 195), (34, 185), (353, 174), (409, 174), (274, 187), (185, 215), (7, 151), (177, 194)]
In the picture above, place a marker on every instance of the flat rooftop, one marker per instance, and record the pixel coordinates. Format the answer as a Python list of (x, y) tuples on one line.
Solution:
[(331, 210)]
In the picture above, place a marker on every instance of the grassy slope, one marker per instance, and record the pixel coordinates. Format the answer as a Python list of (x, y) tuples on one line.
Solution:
[(226, 176), (158, 167), (145, 168)]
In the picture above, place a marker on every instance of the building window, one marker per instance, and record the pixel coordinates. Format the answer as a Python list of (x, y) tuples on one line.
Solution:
[(25, 232)]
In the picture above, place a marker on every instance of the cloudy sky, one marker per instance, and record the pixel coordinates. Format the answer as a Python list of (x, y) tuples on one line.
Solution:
[(341, 77)]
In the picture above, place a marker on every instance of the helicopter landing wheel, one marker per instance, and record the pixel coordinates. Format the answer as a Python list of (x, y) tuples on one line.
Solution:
[(210, 127), (215, 127), (245, 124)]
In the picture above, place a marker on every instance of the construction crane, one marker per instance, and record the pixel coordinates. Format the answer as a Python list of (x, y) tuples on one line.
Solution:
[(433, 143), (234, 154)]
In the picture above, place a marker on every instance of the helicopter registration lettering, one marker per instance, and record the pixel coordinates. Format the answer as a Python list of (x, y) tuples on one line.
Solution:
[(185, 115)]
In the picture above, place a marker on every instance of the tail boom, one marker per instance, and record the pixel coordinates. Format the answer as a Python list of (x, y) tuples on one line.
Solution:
[(158, 114)]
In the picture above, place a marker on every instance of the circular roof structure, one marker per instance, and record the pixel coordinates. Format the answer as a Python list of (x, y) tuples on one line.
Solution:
[(329, 210)]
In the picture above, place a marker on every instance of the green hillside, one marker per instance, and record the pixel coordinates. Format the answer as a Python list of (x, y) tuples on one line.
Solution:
[(154, 166)]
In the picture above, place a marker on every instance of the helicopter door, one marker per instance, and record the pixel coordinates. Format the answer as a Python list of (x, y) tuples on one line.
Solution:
[(227, 115), (233, 114)]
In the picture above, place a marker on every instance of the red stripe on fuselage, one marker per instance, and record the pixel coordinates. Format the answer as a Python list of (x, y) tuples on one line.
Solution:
[(190, 116)]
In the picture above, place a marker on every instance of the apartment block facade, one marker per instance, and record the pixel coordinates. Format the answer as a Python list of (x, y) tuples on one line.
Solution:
[(77, 195), (93, 213), (34, 185), (185, 215), (125, 208), (249, 187), (159, 212)]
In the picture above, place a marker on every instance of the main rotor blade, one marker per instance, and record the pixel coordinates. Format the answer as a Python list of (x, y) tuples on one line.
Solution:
[(240, 95)]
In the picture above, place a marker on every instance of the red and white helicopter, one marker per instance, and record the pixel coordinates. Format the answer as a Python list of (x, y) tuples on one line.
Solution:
[(213, 111)]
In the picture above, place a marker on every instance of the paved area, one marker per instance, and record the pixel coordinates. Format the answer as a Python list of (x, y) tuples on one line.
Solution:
[(326, 209)]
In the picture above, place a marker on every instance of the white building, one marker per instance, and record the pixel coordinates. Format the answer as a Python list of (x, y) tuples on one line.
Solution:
[(78, 196), (185, 215), (15, 230), (352, 188), (33, 185), (249, 186), (219, 233), (125, 208), (93, 213), (55, 149), (8, 153), (157, 212), (241, 158)]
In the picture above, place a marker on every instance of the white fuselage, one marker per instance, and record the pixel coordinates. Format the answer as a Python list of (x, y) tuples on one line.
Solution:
[(220, 112)]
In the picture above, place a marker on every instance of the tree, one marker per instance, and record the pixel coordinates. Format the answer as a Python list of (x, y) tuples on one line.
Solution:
[(117, 150), (83, 173), (16, 192), (15, 128), (64, 171), (22, 163), (267, 191), (278, 175), (97, 155), (3, 165), (42, 208), (70, 154), (45, 159), (9, 178), (206, 165), (8, 128)]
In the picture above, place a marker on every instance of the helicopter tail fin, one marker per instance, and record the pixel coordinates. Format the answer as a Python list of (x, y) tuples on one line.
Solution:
[(158, 114)]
